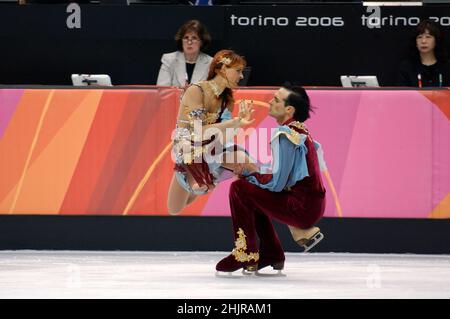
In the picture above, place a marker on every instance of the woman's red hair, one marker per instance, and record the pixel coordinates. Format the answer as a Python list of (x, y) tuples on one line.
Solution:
[(230, 59)]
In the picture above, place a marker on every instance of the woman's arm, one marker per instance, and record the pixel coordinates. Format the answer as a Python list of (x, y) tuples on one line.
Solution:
[(193, 101)]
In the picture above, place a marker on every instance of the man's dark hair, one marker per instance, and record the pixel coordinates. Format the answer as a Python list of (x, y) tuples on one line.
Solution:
[(299, 99)]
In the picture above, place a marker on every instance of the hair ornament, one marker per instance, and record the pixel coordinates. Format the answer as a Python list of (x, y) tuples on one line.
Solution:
[(225, 60)]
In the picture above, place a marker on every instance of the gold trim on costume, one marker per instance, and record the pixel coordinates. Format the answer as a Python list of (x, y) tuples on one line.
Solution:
[(299, 125), (241, 246), (293, 135), (188, 139), (200, 114), (214, 88)]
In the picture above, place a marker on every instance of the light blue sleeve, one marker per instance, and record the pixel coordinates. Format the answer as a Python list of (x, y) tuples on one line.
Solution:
[(289, 164), (320, 157), (226, 115)]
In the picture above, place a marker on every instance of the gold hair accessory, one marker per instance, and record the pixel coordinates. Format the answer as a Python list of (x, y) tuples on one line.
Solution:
[(225, 60)]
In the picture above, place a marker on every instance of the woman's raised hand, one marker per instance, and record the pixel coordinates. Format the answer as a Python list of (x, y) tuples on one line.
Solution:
[(246, 112)]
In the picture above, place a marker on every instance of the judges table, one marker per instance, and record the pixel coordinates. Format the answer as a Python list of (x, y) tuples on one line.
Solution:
[(108, 151)]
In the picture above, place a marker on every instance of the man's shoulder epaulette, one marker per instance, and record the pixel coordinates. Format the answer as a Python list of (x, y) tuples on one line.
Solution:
[(299, 127), (293, 132)]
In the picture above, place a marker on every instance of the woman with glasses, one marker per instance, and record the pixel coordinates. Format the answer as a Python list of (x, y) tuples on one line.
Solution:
[(189, 64)]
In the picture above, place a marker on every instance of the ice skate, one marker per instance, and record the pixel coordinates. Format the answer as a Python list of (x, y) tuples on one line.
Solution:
[(307, 238), (277, 267), (229, 266)]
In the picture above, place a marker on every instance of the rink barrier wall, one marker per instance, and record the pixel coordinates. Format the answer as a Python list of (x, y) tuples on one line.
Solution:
[(158, 233), (108, 151)]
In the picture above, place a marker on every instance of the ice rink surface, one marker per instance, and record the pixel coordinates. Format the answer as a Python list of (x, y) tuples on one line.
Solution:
[(167, 275)]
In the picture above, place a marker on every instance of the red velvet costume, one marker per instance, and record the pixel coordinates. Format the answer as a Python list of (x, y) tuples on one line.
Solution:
[(252, 208)]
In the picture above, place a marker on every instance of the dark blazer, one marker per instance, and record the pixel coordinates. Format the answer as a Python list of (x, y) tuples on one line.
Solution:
[(430, 75)]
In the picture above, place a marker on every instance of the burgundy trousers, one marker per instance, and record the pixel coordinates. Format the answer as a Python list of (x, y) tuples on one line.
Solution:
[(252, 209)]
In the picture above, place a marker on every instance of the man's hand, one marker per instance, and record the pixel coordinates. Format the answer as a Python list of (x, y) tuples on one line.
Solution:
[(239, 169)]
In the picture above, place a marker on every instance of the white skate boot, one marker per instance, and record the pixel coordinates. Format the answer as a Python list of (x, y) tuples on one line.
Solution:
[(307, 238)]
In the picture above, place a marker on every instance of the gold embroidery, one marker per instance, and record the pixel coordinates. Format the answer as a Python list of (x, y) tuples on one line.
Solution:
[(292, 136), (189, 147), (302, 126), (241, 246), (299, 125), (211, 118), (215, 88), (200, 114)]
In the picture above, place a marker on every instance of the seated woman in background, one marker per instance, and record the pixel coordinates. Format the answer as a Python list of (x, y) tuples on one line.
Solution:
[(427, 65), (189, 64)]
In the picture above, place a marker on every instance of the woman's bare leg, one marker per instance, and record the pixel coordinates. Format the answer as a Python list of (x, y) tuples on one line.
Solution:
[(190, 199), (178, 198)]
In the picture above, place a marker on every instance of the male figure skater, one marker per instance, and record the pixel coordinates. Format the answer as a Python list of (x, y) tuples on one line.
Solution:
[(292, 194)]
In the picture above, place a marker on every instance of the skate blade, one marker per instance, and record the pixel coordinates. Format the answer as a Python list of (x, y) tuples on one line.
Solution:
[(248, 273), (313, 241), (228, 275), (235, 274), (278, 273)]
